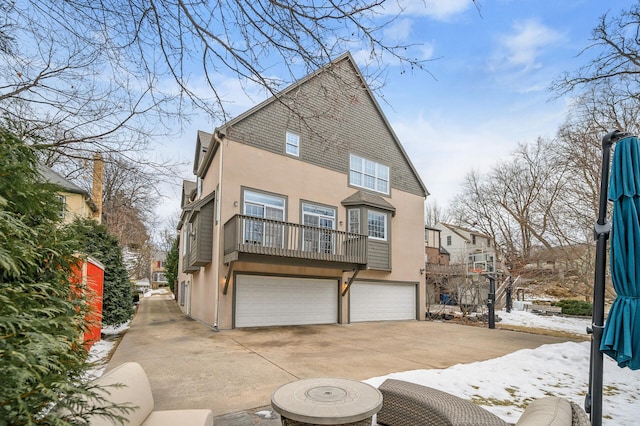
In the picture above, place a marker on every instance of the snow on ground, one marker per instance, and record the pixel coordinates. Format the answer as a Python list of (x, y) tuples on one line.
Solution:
[(99, 352), (507, 384), (149, 293), (573, 325)]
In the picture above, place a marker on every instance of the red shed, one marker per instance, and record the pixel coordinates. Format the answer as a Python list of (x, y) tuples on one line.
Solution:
[(91, 275)]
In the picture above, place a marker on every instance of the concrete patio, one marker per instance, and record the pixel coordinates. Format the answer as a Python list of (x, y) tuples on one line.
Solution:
[(234, 372)]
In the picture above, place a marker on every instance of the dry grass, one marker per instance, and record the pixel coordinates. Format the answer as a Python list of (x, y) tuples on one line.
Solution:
[(543, 331)]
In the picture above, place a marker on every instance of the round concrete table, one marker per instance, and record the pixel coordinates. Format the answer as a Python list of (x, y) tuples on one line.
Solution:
[(326, 401)]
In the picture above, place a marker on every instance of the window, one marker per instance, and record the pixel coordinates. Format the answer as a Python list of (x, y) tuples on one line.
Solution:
[(473, 240), (185, 239), (354, 221), (63, 205), (159, 277), (320, 217), (199, 187), (448, 240), (264, 206), (293, 144), (377, 225), (368, 174)]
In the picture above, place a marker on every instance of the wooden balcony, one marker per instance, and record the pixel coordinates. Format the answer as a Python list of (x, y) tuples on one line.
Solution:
[(434, 270), (260, 240)]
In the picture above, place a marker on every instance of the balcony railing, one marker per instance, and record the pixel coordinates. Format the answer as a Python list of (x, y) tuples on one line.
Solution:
[(257, 236), (434, 269)]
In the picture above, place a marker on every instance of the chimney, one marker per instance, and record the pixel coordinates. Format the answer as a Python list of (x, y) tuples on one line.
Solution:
[(96, 188)]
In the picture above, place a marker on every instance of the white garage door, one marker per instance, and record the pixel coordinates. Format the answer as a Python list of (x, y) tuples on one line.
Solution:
[(382, 301), (263, 301)]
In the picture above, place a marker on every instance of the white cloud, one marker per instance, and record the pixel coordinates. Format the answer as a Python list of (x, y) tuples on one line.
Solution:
[(524, 45), (444, 145), (398, 30)]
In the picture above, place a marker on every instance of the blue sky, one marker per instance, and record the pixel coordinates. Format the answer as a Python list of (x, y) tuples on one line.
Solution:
[(489, 86)]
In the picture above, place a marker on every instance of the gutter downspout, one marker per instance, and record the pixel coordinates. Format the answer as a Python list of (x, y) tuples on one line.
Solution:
[(218, 217)]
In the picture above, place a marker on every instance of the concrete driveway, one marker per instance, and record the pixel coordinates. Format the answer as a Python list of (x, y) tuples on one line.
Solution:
[(234, 372)]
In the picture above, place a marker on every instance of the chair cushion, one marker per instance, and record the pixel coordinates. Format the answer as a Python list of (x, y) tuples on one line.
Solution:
[(547, 411), (136, 392), (180, 417)]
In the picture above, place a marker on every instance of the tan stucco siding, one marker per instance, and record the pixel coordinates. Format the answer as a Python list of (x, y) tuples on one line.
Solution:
[(75, 206), (297, 181)]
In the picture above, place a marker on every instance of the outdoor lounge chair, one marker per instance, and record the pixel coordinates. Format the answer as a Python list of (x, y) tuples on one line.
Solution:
[(409, 404)]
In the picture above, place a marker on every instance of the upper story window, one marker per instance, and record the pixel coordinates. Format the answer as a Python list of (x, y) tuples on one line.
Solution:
[(368, 174), (63, 205), (377, 225), (293, 144), (185, 239), (473, 240), (448, 240), (264, 206), (354, 221), (317, 220)]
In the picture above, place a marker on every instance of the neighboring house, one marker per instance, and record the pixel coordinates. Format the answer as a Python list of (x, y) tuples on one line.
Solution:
[(560, 262), (439, 273), (469, 247), (76, 202), (434, 253), (158, 277), (305, 210)]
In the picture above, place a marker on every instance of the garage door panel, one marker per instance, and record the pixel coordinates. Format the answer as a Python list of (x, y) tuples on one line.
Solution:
[(265, 301), (382, 301)]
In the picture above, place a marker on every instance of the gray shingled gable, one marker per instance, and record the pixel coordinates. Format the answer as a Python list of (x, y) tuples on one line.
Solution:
[(52, 177), (187, 188), (363, 198), (203, 141), (335, 113)]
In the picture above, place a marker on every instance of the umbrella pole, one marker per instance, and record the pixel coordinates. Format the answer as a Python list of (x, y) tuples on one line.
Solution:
[(593, 400)]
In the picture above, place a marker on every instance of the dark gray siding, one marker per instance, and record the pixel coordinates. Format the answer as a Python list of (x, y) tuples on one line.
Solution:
[(378, 256), (334, 116), (201, 249)]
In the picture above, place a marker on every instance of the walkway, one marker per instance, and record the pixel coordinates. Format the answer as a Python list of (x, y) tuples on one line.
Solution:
[(234, 372)]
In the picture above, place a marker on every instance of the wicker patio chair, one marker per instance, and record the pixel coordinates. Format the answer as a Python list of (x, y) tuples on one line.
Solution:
[(409, 404)]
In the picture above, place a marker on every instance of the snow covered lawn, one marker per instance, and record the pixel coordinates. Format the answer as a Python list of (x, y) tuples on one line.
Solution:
[(507, 384)]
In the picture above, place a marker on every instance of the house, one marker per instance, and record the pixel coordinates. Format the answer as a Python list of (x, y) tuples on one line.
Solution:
[(77, 202), (305, 210), (469, 247), (439, 273), (434, 253), (157, 269)]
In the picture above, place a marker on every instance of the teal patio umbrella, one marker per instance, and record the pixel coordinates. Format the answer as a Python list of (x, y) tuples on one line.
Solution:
[(621, 335), (621, 338)]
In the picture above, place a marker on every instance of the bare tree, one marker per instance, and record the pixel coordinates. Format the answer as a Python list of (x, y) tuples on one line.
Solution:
[(434, 213), (616, 63), (114, 74)]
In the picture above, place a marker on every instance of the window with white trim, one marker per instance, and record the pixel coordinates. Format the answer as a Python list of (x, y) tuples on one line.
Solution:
[(267, 233), (293, 144), (354, 221), (185, 239), (317, 221), (368, 174), (63, 205), (377, 225)]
